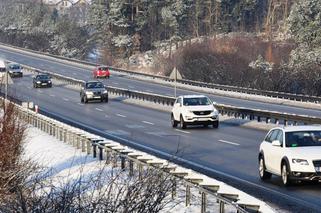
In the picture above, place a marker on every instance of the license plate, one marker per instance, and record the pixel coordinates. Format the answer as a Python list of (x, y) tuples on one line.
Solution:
[(318, 169), (44, 84)]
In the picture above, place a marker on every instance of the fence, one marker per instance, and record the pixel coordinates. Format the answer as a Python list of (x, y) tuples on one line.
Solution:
[(136, 161)]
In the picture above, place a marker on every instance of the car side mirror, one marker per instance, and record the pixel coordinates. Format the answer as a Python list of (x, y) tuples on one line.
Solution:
[(276, 143)]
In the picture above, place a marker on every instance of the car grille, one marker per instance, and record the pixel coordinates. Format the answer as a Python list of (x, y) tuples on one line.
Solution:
[(202, 112), (317, 163), (97, 93)]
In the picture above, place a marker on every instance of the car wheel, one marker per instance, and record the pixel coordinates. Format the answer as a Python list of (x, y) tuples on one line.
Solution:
[(264, 175), (205, 125), (106, 100), (173, 122), (215, 124), (285, 174), (34, 86), (182, 123), (85, 99), (81, 99)]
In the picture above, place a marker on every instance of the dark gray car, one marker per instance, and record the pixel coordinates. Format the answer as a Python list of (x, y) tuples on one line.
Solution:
[(93, 90), (15, 70)]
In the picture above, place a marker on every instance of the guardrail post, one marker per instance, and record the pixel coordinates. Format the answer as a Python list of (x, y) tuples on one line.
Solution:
[(188, 195), (123, 162), (83, 143), (94, 145), (101, 156), (258, 118), (114, 159), (131, 168), (222, 207), (65, 132), (285, 122), (140, 171), (107, 155), (78, 140), (203, 203), (88, 146), (174, 185)]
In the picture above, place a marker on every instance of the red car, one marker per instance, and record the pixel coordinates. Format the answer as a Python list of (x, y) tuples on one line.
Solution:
[(101, 72)]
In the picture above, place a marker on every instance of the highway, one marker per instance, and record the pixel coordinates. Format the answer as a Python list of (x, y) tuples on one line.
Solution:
[(123, 81), (228, 153)]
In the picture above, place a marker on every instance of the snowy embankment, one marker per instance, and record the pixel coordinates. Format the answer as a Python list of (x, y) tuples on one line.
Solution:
[(65, 163)]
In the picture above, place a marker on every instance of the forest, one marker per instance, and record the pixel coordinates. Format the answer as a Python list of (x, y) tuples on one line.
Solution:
[(263, 44)]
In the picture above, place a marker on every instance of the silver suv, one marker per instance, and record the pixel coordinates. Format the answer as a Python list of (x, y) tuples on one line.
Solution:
[(93, 90)]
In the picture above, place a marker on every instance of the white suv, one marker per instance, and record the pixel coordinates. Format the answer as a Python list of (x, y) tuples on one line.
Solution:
[(194, 110), (294, 153)]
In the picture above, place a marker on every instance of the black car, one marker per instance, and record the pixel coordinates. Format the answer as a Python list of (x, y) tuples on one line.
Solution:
[(42, 80)]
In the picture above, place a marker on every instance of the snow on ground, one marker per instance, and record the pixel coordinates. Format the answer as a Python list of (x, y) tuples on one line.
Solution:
[(65, 161)]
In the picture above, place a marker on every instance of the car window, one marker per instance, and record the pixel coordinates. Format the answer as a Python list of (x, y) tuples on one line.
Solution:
[(93, 85), (14, 67), (43, 77), (178, 100), (273, 135), (280, 136), (197, 101), (303, 138), (268, 136)]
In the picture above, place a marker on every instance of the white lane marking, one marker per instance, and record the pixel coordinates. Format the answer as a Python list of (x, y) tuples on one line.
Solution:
[(186, 132), (169, 94), (99, 109), (106, 116), (29, 87), (80, 104), (52, 95), (40, 91), (146, 122), (65, 99), (228, 142), (74, 73), (150, 91), (131, 87), (115, 83), (120, 115)]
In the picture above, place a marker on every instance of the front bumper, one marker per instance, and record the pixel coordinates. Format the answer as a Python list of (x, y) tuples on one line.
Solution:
[(308, 176), (15, 74), (197, 120), (44, 84), (97, 97)]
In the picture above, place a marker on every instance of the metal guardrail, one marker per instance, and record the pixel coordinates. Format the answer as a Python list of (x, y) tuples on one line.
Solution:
[(282, 95), (232, 111), (125, 157)]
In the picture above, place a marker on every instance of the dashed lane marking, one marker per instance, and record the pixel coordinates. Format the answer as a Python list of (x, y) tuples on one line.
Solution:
[(65, 99), (146, 122), (186, 132), (120, 115), (228, 142), (99, 109)]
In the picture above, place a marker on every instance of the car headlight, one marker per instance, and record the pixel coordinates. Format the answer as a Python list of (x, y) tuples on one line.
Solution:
[(49, 82), (105, 92), (38, 82), (300, 161), (89, 93)]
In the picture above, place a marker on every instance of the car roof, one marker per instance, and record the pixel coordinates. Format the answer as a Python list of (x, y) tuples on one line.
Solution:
[(301, 128), (12, 63), (92, 82), (192, 96)]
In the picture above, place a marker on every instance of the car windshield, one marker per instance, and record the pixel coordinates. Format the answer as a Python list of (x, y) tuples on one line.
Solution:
[(93, 85), (196, 101), (14, 67), (43, 77), (102, 68), (303, 138)]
